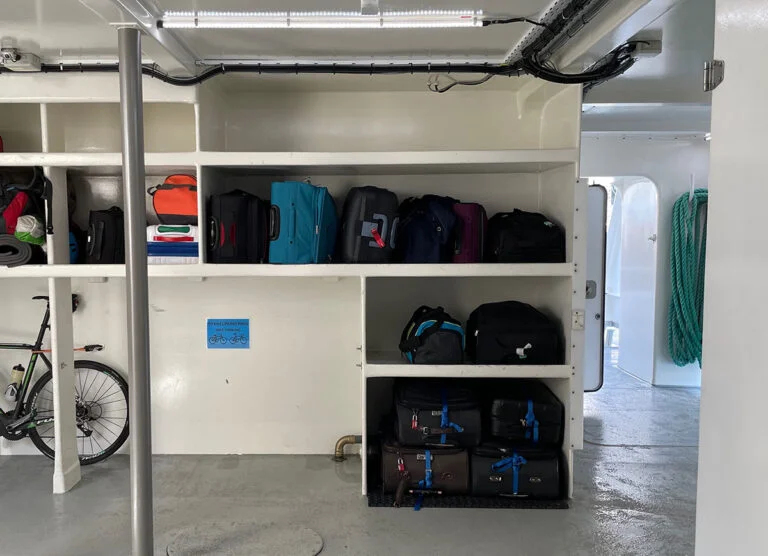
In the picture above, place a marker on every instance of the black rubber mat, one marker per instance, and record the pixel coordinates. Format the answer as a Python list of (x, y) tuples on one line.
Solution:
[(379, 500)]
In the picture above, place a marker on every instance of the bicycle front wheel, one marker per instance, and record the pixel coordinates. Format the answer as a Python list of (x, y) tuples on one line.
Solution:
[(101, 411)]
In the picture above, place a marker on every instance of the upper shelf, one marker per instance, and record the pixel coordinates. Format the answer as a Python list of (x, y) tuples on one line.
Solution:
[(331, 163), (271, 270), (394, 162)]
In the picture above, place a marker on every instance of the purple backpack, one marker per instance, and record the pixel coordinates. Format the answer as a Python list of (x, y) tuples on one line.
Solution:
[(471, 230)]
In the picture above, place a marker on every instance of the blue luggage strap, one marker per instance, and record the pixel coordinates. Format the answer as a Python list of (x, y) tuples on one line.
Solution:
[(531, 424), (514, 463), (445, 423), (426, 482)]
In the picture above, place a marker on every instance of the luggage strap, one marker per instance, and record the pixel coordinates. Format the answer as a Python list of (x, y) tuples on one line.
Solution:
[(531, 424), (445, 423), (514, 462), (405, 477), (426, 482)]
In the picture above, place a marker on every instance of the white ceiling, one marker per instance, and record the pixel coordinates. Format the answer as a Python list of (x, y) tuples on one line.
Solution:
[(493, 42), (662, 94), (80, 30), (687, 29)]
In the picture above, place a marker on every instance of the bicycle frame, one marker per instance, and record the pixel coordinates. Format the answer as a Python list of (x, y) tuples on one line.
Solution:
[(30, 371)]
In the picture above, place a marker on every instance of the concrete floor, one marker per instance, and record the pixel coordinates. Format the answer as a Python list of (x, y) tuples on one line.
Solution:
[(635, 489)]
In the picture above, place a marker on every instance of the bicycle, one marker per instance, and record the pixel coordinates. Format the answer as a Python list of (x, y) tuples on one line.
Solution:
[(101, 419)]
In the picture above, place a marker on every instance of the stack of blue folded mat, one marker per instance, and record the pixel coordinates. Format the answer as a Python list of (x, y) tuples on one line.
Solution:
[(168, 244)]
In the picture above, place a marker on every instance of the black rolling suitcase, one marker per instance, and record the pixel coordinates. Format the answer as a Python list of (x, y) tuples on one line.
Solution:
[(238, 228), (106, 237), (500, 469), (526, 412), (368, 225), (436, 413), (513, 333)]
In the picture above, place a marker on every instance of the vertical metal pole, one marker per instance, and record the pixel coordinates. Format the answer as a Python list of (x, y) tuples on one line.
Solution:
[(137, 290)]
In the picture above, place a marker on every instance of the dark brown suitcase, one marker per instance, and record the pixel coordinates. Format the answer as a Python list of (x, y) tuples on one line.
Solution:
[(404, 470)]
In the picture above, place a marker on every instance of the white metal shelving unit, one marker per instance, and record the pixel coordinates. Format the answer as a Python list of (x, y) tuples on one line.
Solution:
[(314, 328)]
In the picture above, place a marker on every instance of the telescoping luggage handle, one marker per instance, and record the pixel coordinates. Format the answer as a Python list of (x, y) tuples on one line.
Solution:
[(274, 222), (215, 233)]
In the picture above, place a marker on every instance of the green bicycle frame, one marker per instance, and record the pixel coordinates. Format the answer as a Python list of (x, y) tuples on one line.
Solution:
[(30, 371)]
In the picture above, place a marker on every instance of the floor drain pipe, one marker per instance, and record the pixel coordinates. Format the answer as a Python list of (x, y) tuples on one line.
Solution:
[(338, 452)]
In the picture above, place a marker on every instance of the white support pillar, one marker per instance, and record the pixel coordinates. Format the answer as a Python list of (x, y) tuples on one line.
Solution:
[(66, 467), (733, 456)]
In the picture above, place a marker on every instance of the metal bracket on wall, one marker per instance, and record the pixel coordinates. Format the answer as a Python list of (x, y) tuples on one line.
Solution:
[(714, 74), (369, 7)]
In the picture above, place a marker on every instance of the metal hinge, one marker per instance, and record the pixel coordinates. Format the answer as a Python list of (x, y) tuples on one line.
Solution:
[(714, 73)]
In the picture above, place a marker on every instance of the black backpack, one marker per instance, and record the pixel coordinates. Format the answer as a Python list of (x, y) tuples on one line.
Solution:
[(426, 230), (524, 237)]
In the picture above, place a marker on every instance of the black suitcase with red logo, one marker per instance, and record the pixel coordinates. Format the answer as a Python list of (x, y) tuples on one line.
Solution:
[(368, 225), (238, 228)]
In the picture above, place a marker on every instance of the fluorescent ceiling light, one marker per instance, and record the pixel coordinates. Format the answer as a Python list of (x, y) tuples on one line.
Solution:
[(322, 20)]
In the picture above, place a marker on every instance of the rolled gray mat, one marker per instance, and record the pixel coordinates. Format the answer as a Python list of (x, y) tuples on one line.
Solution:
[(14, 252)]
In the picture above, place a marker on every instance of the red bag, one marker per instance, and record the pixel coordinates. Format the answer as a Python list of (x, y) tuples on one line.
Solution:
[(175, 201), (9, 214)]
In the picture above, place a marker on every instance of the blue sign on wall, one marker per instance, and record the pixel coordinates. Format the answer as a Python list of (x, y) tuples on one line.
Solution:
[(229, 334)]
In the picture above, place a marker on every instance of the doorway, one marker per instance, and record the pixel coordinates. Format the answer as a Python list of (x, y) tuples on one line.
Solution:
[(631, 224)]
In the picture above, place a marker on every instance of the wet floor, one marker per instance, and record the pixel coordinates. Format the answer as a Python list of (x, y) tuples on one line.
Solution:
[(634, 494)]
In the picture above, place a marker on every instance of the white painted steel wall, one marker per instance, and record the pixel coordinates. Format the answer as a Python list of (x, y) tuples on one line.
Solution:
[(733, 455), (299, 386), (668, 162)]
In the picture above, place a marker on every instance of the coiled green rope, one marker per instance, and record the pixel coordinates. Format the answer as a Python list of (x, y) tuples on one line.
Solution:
[(688, 253)]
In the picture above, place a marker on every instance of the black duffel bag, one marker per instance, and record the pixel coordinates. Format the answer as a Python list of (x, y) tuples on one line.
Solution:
[(501, 469), (524, 237), (525, 412), (513, 333), (432, 337)]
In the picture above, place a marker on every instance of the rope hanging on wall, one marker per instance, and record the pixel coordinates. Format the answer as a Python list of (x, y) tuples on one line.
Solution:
[(688, 252)]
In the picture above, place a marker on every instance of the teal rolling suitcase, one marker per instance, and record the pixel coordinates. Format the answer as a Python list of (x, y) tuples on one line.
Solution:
[(302, 224)]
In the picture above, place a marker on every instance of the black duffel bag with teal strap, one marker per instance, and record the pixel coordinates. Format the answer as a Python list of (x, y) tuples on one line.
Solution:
[(433, 337)]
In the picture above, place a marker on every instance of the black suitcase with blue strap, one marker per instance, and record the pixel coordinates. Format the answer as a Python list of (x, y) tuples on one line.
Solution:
[(436, 413), (503, 469), (526, 412)]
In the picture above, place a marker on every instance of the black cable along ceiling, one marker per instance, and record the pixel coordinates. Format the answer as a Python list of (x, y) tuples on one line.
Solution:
[(553, 34)]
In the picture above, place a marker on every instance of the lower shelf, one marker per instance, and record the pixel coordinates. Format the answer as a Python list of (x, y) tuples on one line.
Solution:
[(380, 500), (391, 365)]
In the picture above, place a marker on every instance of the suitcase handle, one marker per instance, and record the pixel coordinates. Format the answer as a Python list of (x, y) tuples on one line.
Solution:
[(274, 222), (213, 233), (95, 235)]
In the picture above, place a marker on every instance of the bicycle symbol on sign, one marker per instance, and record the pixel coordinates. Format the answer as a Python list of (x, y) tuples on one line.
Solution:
[(217, 339), (238, 339)]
